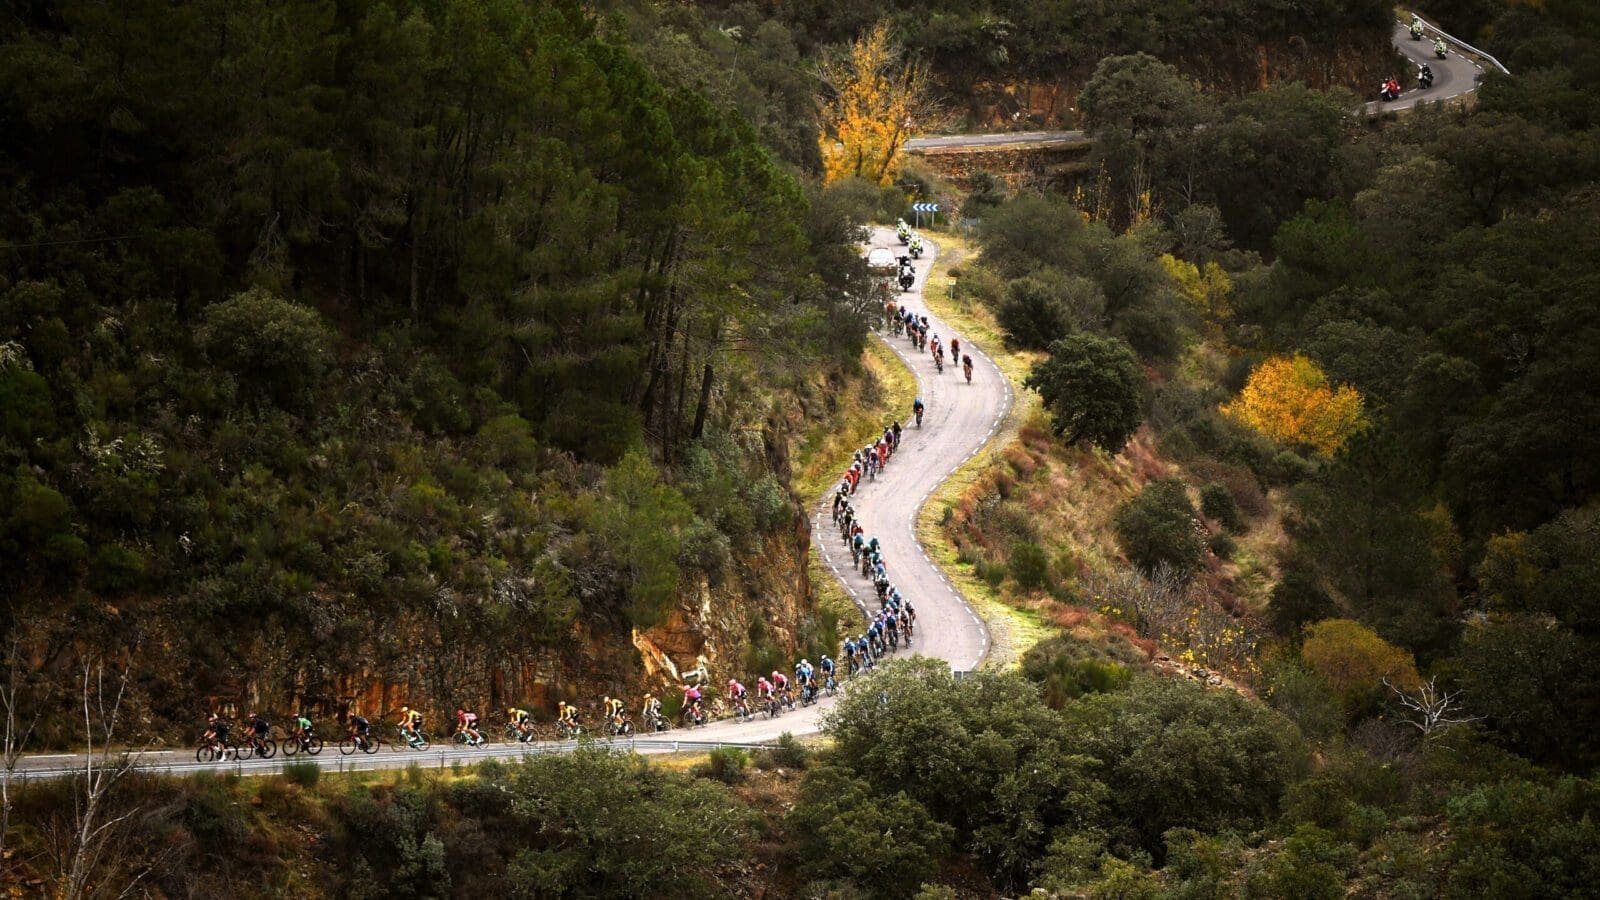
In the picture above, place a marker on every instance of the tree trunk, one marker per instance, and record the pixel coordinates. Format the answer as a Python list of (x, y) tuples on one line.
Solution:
[(705, 385), (705, 403)]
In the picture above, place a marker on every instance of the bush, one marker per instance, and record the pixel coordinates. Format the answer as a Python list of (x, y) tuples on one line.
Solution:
[(724, 764), (1223, 545), (304, 772), (956, 746), (787, 753), (1029, 566), (1217, 504), (1175, 754), (1032, 314), (845, 829), (1354, 661), (1158, 527), (277, 349)]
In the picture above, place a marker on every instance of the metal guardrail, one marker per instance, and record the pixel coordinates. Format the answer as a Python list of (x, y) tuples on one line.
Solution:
[(434, 757), (1429, 26)]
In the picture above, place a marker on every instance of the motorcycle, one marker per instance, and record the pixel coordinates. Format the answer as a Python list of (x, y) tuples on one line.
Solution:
[(916, 248), (1389, 90), (1440, 48), (908, 277), (1424, 79), (1416, 29)]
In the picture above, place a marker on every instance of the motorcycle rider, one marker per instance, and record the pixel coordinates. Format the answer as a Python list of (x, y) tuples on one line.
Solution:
[(1425, 77)]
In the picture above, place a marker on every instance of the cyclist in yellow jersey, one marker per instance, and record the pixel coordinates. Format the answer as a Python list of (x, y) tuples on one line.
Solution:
[(410, 722), (519, 719)]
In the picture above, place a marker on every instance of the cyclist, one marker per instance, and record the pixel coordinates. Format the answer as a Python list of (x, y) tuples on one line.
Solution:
[(613, 707), (916, 410), (256, 727), (410, 724), (216, 732), (302, 730), (567, 716), (825, 666), (736, 697), (467, 723), (897, 432), (764, 690), (780, 685), (966, 367), (651, 710), (803, 673), (520, 720), (691, 702), (359, 729), (955, 349)]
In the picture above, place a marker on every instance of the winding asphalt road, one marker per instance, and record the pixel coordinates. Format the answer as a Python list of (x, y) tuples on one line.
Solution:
[(1453, 76), (960, 419)]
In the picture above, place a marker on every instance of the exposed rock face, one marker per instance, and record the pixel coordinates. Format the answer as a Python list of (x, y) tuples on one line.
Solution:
[(1037, 164)]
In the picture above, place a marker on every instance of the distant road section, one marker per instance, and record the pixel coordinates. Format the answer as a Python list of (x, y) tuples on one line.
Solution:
[(1453, 76)]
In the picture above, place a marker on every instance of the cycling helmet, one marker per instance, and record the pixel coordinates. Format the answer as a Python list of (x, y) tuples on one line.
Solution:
[(733, 682)]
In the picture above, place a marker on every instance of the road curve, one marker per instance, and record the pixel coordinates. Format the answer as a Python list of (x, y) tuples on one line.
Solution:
[(1455, 75), (960, 419)]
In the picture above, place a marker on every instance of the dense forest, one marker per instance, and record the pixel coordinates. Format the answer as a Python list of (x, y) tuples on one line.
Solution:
[(382, 343), (377, 350)]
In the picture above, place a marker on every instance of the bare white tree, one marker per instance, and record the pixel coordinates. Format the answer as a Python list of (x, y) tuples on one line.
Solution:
[(15, 736), (93, 828), (1428, 709)]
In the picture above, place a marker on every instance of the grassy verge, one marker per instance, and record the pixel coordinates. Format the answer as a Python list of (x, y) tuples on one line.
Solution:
[(886, 390), (1012, 630)]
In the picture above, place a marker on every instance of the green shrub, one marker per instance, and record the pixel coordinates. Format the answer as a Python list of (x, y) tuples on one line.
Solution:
[(304, 772), (724, 764), (1029, 566), (844, 828), (1033, 314), (1217, 504), (787, 753), (1158, 528), (277, 349), (1223, 545)]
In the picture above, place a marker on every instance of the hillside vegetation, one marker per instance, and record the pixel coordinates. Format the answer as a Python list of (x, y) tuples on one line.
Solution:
[(358, 353)]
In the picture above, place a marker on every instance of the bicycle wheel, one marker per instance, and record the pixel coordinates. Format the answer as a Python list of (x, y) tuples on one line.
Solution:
[(313, 745), (422, 741), (205, 754), (348, 746), (291, 747), (371, 744), (269, 748)]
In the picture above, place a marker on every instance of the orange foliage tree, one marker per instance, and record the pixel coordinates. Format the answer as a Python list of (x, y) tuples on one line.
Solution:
[(1289, 400), (871, 101)]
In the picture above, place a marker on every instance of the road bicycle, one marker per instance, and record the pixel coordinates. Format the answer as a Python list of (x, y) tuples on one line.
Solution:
[(416, 740), (515, 732), (253, 747), (307, 742), (366, 743), (214, 751), (466, 737)]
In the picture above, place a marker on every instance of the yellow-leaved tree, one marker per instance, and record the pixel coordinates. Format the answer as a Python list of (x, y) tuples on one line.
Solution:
[(872, 99), (1288, 399), (1206, 289)]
